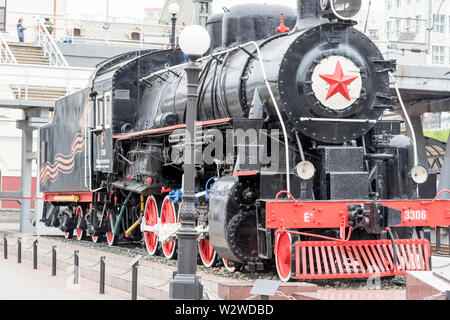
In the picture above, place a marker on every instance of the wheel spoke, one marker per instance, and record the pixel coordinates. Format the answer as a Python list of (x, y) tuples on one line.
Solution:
[(168, 216), (151, 219), (283, 257), (80, 232), (207, 253)]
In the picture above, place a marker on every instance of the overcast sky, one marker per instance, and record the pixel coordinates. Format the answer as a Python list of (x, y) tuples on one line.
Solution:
[(135, 8)]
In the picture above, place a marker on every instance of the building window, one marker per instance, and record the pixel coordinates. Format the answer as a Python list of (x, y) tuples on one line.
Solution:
[(398, 24), (389, 4), (108, 108), (100, 113), (438, 55), (418, 23), (2, 15), (439, 23)]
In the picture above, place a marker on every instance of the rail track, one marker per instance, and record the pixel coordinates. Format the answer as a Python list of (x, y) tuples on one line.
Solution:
[(131, 249)]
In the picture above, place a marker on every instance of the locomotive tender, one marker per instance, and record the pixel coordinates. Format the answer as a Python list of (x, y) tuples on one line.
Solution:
[(296, 168)]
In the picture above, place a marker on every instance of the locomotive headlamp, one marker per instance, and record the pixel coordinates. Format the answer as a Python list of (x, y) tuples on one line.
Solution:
[(174, 8), (195, 41), (305, 170), (419, 175), (340, 9)]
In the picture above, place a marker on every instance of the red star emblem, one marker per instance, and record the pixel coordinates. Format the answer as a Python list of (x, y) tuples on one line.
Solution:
[(338, 82)]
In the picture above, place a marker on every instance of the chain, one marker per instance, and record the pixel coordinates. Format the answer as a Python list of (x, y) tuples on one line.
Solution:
[(281, 294), (14, 244), (48, 252), (28, 248), (119, 274), (440, 267), (89, 266), (65, 259), (210, 294), (440, 294), (159, 285)]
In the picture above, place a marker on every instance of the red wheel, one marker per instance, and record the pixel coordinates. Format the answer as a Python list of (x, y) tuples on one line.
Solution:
[(227, 265), (81, 234), (207, 253), (168, 215), (110, 237), (97, 239), (283, 257), (68, 235), (151, 219)]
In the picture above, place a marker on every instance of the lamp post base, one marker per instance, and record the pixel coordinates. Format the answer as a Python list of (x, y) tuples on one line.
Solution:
[(186, 287)]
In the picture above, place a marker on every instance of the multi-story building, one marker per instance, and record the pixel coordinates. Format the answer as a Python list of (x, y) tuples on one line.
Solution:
[(418, 31), (370, 20), (152, 15)]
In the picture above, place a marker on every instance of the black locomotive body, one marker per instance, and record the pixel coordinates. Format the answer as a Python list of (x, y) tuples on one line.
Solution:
[(310, 101)]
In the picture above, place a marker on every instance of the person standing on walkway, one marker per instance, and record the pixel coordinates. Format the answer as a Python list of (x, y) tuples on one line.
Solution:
[(20, 30), (49, 26)]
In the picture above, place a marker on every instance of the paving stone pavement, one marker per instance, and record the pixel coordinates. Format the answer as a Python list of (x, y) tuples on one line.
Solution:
[(21, 282)]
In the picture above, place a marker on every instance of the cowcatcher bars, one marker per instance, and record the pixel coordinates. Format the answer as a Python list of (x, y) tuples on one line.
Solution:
[(333, 258)]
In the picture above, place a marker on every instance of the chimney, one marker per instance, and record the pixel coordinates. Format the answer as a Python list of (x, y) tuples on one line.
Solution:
[(308, 14)]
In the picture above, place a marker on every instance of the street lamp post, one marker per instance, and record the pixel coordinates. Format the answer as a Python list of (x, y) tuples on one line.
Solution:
[(194, 42), (174, 9)]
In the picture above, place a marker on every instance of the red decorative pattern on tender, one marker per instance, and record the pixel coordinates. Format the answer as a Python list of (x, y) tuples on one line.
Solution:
[(65, 164)]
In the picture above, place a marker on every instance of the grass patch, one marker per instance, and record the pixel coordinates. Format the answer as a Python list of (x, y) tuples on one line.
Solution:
[(438, 135)]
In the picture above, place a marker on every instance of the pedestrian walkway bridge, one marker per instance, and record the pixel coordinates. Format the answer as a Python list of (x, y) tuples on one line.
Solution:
[(424, 88)]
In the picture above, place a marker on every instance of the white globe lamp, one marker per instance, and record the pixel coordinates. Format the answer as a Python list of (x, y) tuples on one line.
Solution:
[(195, 41), (174, 8)]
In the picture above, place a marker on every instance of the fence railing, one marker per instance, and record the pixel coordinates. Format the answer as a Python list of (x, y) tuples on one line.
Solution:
[(47, 42), (6, 56), (23, 77), (98, 31)]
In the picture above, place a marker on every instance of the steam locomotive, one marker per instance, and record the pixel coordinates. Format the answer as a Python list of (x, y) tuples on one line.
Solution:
[(296, 169)]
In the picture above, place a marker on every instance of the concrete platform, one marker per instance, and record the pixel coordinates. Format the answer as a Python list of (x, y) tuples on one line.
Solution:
[(353, 295), (426, 286), (241, 290), (153, 278), (21, 282)]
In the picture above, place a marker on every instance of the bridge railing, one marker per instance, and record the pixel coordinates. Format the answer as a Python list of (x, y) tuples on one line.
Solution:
[(20, 78), (99, 31), (47, 42), (6, 56)]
